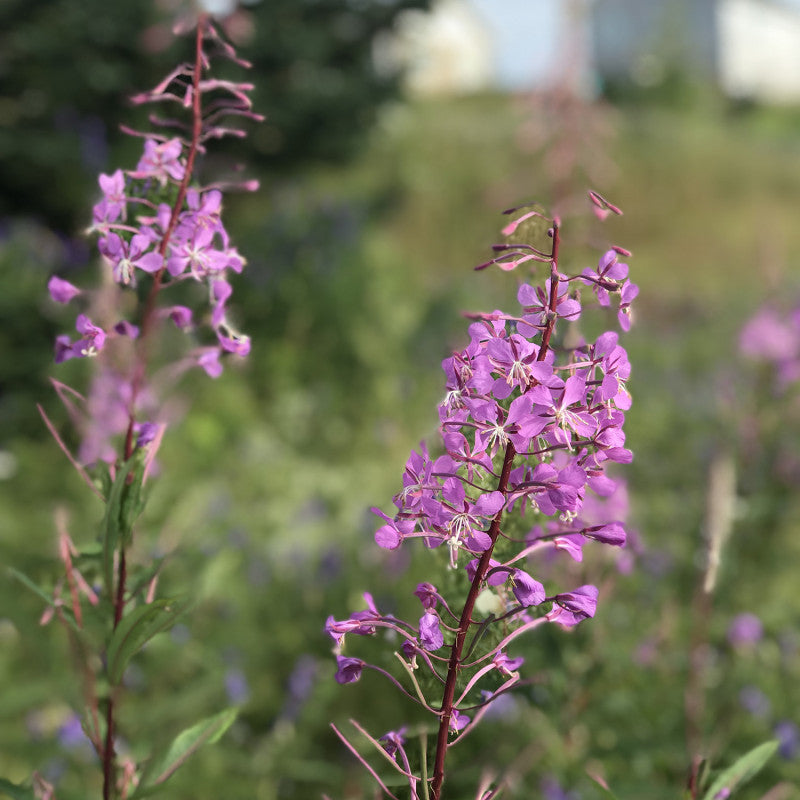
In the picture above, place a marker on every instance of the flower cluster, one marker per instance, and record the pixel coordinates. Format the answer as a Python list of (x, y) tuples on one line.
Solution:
[(528, 428), (155, 221)]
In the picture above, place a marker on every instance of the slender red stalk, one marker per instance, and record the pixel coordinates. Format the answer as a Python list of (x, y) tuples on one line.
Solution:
[(457, 649)]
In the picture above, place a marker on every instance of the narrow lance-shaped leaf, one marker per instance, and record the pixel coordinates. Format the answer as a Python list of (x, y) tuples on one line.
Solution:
[(742, 770), (161, 768), (136, 629), (123, 505)]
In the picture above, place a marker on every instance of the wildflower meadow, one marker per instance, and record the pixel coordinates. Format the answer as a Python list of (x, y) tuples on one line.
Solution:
[(322, 476)]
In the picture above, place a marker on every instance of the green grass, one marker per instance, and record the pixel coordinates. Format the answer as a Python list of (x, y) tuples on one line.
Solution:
[(358, 277)]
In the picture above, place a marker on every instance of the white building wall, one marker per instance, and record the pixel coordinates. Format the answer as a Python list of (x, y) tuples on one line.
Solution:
[(447, 50), (759, 50)]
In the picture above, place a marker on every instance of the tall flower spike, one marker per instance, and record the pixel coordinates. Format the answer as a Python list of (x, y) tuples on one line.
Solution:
[(527, 428), (157, 226), (156, 222)]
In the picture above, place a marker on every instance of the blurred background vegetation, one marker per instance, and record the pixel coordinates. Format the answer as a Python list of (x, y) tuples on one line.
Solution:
[(360, 246)]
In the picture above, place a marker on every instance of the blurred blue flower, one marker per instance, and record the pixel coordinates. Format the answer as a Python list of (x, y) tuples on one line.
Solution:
[(552, 790), (753, 700), (236, 686), (788, 734), (72, 738)]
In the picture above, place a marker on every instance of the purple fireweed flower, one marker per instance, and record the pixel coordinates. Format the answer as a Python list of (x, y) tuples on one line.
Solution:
[(527, 427), (535, 302), (427, 594), (573, 607), (91, 343), (180, 315), (125, 328), (161, 161), (208, 359), (146, 433), (393, 741), (430, 634), (197, 255), (564, 413), (390, 535), (349, 669), (496, 575), (612, 533), (114, 199), (460, 519), (62, 291), (458, 721), (629, 293), (607, 277), (126, 257), (232, 342), (528, 591), (505, 665)]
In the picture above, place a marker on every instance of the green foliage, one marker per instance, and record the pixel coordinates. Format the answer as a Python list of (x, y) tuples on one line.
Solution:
[(313, 69), (742, 770), (124, 504), (358, 278), (14, 791), (137, 628), (162, 767)]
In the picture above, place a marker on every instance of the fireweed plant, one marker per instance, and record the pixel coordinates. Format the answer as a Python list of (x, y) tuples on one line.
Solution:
[(532, 417), (158, 229)]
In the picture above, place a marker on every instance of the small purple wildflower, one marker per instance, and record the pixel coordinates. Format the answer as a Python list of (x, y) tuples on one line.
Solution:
[(430, 634), (788, 734), (72, 738), (552, 789), (146, 433), (62, 291), (236, 686), (745, 631), (393, 741), (349, 669), (529, 592), (458, 721)]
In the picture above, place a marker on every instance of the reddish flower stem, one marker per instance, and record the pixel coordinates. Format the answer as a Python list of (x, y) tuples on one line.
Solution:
[(148, 316), (457, 648)]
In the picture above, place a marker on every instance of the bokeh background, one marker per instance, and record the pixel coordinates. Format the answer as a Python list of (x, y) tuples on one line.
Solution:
[(396, 131)]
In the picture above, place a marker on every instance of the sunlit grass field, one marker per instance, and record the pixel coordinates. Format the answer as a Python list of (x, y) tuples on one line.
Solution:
[(357, 280)]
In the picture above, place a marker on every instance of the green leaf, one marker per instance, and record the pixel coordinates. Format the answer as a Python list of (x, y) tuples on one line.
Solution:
[(102, 477), (743, 769), (15, 791), (137, 628), (123, 505), (39, 592), (161, 768)]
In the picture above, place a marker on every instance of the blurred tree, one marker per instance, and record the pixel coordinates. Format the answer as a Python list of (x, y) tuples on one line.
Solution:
[(67, 67)]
